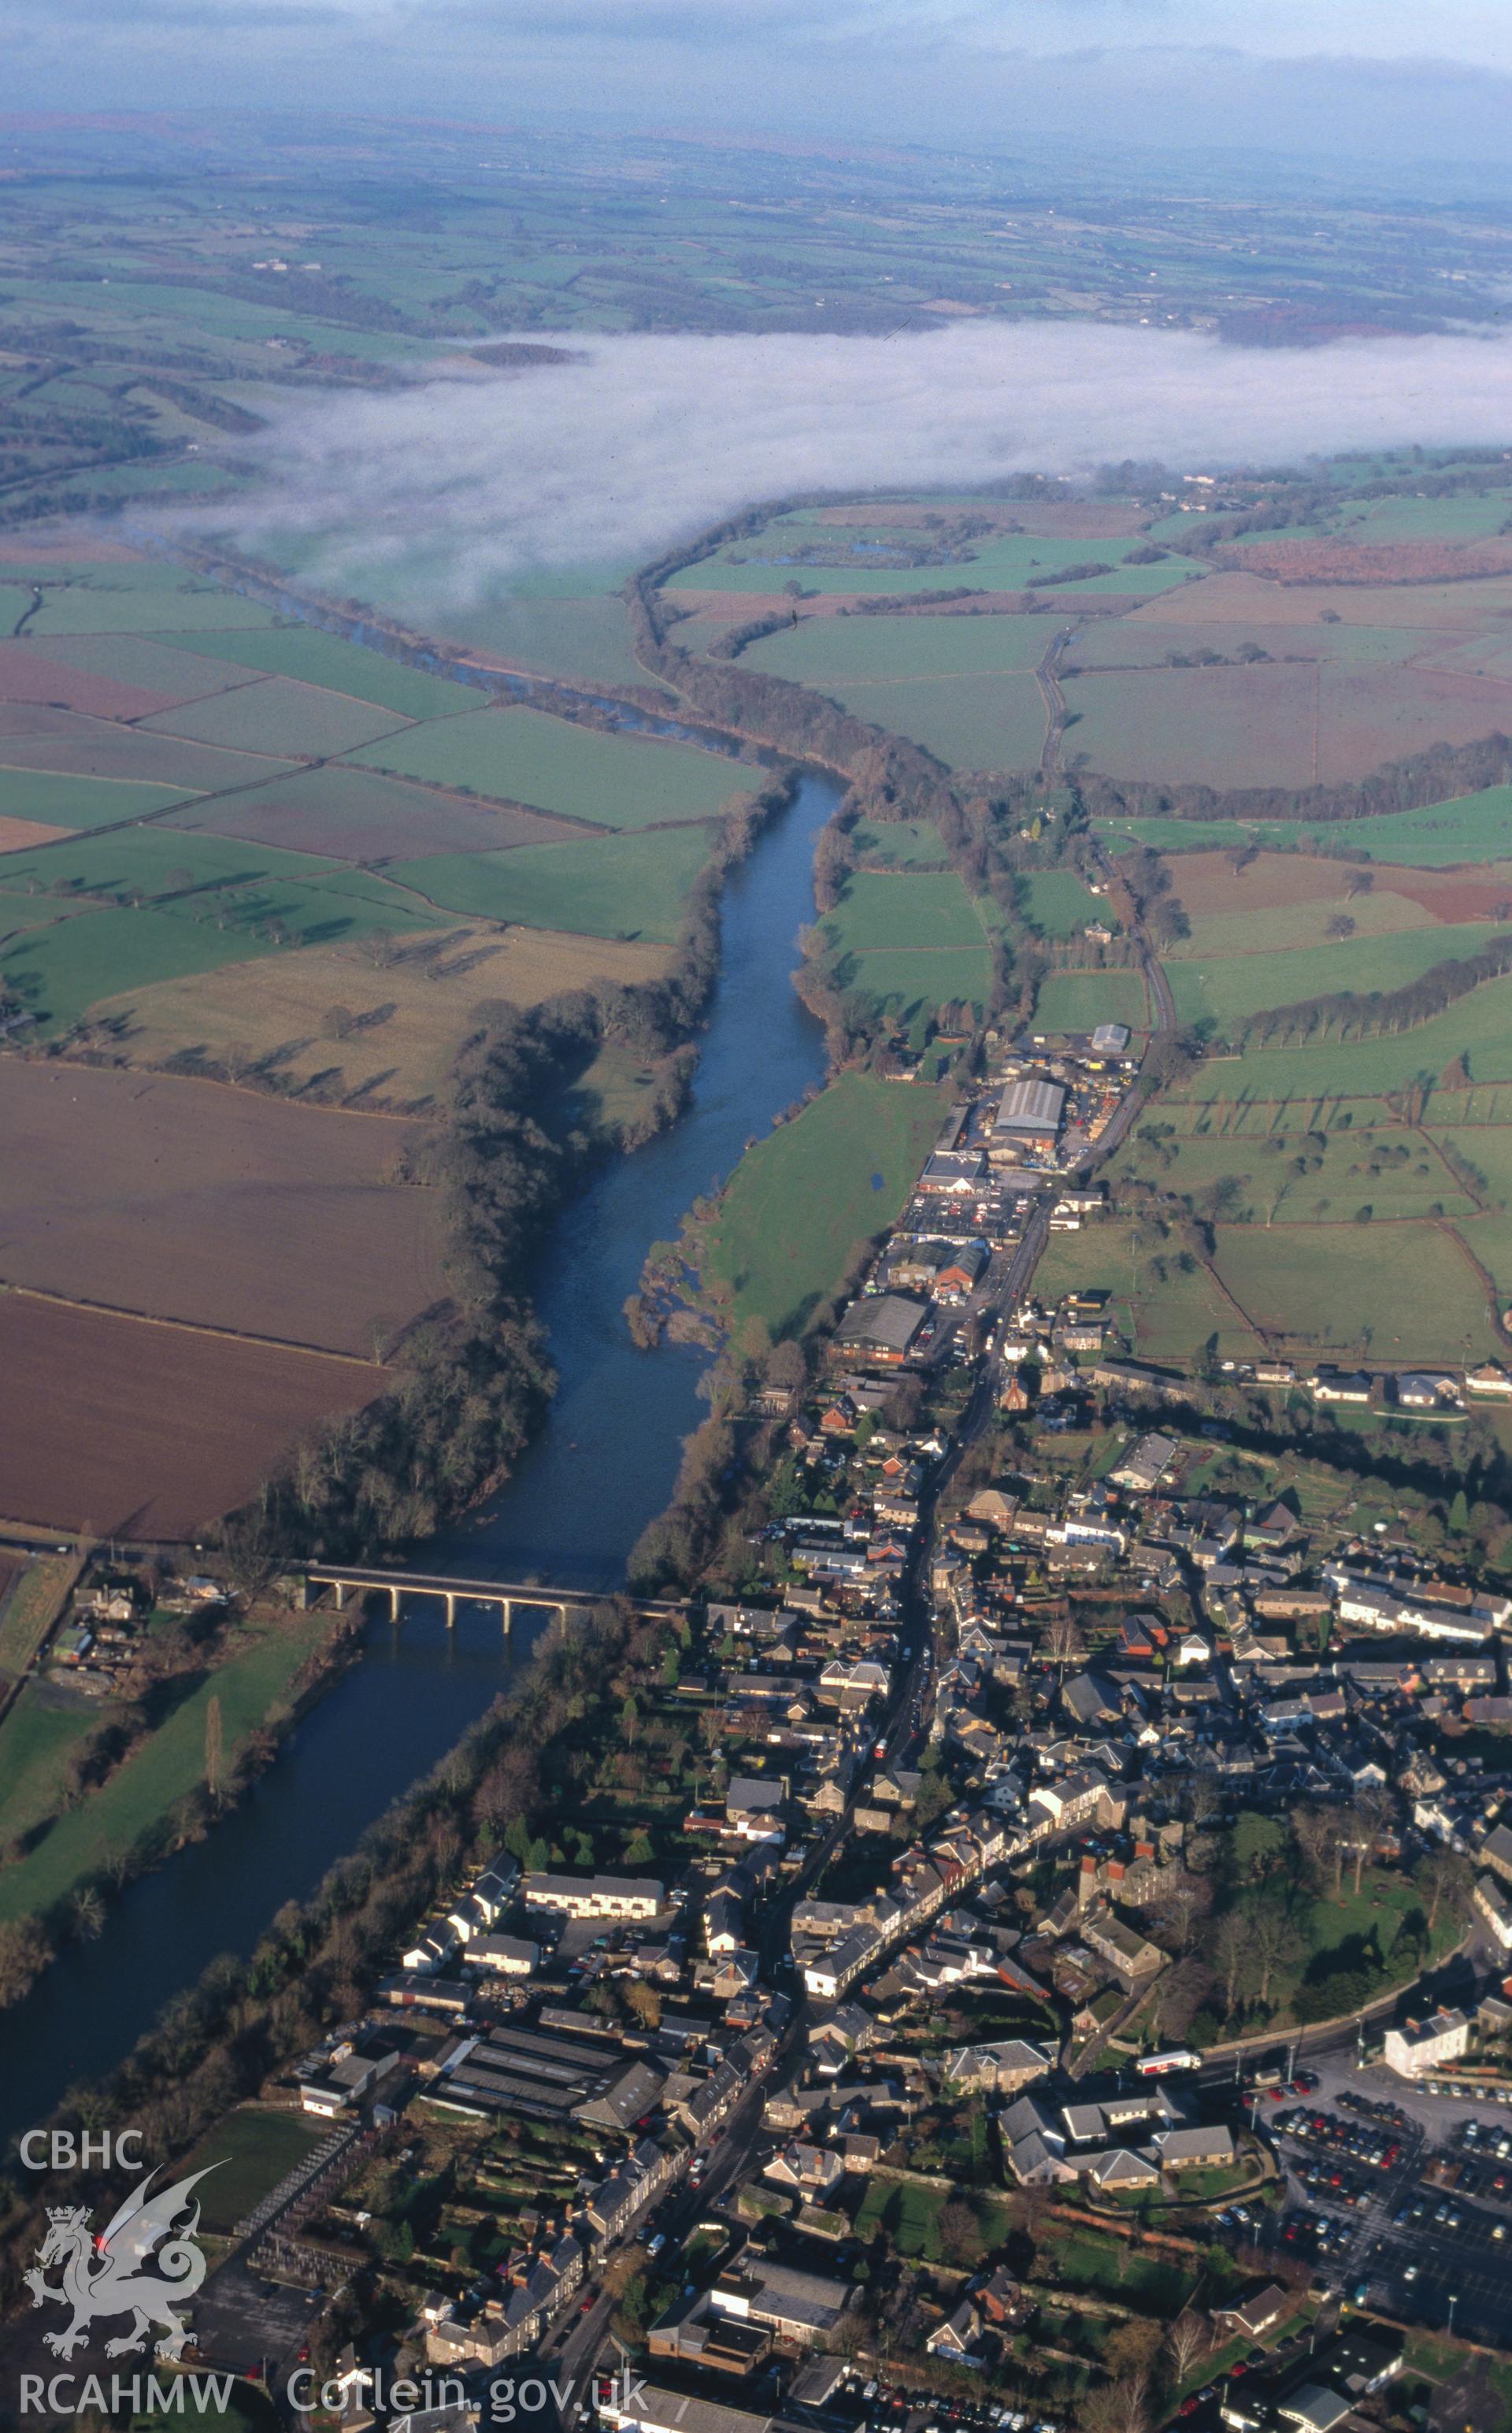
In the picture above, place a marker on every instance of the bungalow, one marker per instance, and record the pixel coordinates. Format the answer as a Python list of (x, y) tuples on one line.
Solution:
[(1119, 2169), (1491, 1379), (1263, 2304), (1186, 2150), (1331, 1384)]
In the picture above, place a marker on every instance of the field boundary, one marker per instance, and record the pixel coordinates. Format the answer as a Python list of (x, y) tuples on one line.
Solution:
[(216, 1334)]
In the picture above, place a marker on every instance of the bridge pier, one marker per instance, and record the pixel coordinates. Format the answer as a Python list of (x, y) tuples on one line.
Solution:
[(341, 1595), (452, 1609), (393, 1605), (507, 1608)]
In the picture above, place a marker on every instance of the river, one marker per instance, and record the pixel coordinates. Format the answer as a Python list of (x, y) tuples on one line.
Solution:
[(603, 1466)]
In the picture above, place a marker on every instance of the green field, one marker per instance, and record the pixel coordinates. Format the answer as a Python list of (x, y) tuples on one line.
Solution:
[(36, 1739), (58, 970), (1287, 927), (607, 887), (1393, 1171), (60, 802), (181, 903), (917, 938), (927, 908), (1228, 991), (250, 2152), (899, 844), (1008, 561), (112, 600), (1078, 1001), (151, 661), (317, 658), (1169, 1316), (1394, 1291), (1478, 1026), (520, 756), (798, 1203), (826, 650), (137, 1798), (587, 639), (1058, 904), (966, 722), (276, 714), (915, 981), (1469, 828)]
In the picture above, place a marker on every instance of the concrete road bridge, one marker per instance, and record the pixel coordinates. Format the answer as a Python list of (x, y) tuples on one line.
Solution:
[(502, 1595)]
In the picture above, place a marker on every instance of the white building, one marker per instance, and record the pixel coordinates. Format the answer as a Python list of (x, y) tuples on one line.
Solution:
[(1425, 2045)]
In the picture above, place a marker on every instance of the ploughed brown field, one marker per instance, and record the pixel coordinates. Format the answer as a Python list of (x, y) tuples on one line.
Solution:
[(139, 1429), (1326, 560), (189, 1200), (354, 815), (1254, 602), (19, 836), (1048, 518), (1208, 883), (25, 675)]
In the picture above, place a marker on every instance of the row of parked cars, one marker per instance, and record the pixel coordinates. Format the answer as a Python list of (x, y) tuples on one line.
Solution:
[(1317, 2234), (1377, 2148)]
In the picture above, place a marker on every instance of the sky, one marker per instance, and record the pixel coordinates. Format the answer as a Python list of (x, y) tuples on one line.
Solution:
[(639, 441), (1385, 79)]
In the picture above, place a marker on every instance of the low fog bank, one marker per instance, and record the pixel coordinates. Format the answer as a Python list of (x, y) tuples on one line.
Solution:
[(641, 441)]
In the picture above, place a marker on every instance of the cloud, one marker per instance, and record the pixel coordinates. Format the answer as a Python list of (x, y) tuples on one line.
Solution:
[(457, 488)]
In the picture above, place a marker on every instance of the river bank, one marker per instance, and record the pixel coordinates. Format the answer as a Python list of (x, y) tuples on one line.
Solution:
[(601, 1466)]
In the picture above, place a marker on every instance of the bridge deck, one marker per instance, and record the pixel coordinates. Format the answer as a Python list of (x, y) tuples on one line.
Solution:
[(350, 1575)]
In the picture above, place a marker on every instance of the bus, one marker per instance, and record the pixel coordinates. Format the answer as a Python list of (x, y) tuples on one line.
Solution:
[(1156, 2065)]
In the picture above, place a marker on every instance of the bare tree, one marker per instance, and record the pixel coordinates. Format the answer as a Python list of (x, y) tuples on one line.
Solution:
[(1321, 1835), (1273, 1942), (1186, 2344), (1231, 1950), (1442, 1876), (1182, 1906), (1121, 2407), (1368, 1820)]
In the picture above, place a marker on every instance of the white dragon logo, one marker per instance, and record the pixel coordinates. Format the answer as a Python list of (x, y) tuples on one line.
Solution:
[(102, 2273)]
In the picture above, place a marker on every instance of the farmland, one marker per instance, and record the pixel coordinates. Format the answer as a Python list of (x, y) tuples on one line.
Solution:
[(168, 1763), (324, 659), (1478, 1026), (915, 938), (327, 1020), (1077, 1002), (179, 1199), (610, 887), (519, 756), (167, 1473), (179, 892), (1058, 904), (791, 548), (1275, 722), (353, 815), (306, 721), (1398, 1291), (1168, 1311), (1227, 991), (65, 804), (828, 651), (800, 1201)]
